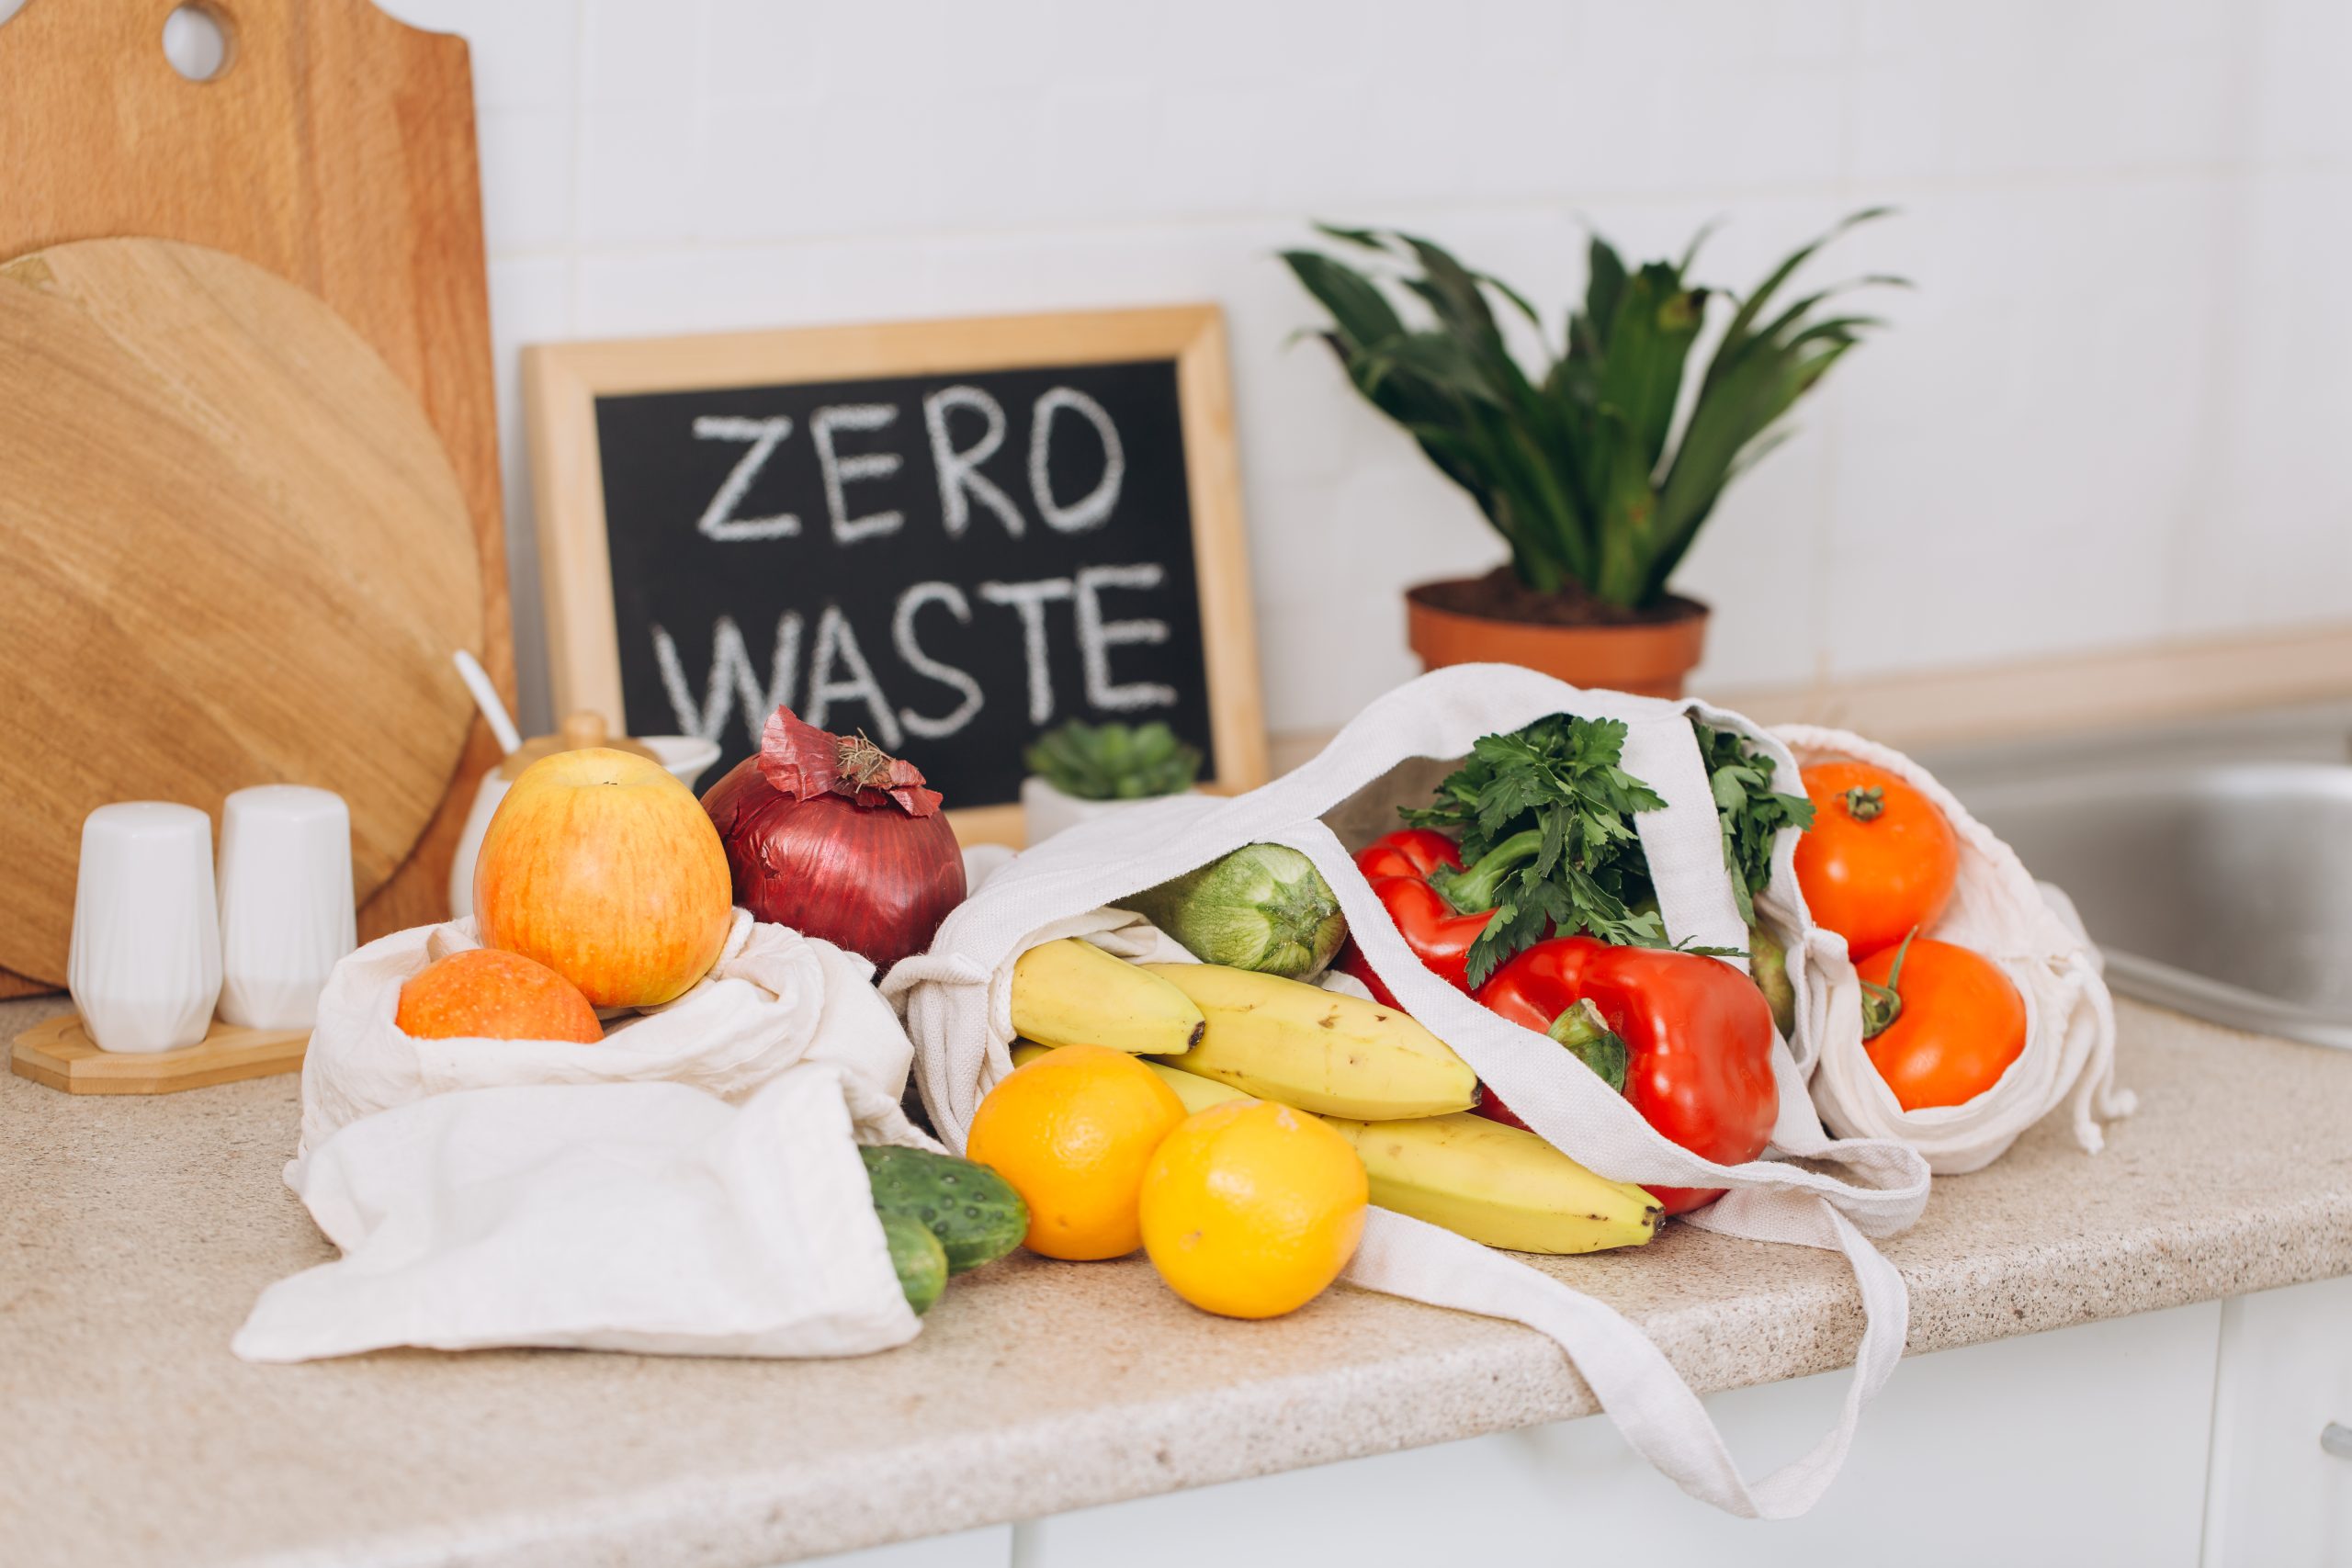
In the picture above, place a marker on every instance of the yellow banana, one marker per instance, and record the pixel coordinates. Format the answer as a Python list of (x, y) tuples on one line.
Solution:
[(1198, 1092), (1072, 993), (1497, 1184), (1318, 1049)]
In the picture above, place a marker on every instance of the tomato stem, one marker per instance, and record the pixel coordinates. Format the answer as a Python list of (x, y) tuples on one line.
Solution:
[(1882, 1005), (1864, 802)]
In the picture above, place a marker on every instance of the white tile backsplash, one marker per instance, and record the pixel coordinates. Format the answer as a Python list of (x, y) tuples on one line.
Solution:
[(2110, 412), (525, 53), (528, 193)]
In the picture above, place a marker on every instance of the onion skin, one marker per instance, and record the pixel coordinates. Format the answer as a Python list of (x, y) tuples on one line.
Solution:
[(870, 878)]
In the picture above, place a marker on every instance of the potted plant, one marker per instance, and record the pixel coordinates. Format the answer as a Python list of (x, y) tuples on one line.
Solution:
[(1584, 466), (1083, 770)]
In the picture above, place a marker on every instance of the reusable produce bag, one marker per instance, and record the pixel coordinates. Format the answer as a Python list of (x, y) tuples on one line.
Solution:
[(2032, 933), (690, 1184), (956, 1001), (650, 1217), (775, 999)]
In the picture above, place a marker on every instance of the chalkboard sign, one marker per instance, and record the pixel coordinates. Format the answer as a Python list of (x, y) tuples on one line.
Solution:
[(951, 535)]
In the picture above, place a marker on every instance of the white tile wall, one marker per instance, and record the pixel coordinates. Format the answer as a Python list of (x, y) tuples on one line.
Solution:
[(2114, 409)]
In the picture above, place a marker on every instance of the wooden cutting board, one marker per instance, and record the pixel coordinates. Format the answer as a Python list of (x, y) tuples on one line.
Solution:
[(335, 149), (241, 550)]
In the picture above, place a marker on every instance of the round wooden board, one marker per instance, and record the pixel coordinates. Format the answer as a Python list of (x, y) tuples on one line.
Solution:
[(235, 555)]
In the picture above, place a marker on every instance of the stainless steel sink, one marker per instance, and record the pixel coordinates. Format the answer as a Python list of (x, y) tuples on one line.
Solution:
[(2223, 888)]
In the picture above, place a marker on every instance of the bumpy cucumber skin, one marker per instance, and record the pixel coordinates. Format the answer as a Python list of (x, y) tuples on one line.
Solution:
[(916, 1255), (975, 1213)]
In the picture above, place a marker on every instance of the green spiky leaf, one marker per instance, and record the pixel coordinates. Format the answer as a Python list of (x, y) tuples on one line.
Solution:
[(1581, 466)]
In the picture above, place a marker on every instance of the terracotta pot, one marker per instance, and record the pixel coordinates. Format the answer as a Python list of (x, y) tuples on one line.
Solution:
[(1650, 657)]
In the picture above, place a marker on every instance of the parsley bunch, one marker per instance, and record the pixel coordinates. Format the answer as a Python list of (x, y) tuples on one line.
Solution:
[(1545, 820), (1545, 817), (1753, 815)]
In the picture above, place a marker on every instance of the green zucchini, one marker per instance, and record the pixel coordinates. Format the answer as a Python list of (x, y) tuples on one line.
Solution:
[(1264, 907)]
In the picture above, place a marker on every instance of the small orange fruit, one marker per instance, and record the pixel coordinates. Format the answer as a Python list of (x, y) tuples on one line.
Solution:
[(1072, 1132), (492, 995), (1250, 1209)]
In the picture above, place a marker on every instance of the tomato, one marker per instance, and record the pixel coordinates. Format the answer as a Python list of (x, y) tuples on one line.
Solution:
[(1879, 860), (1961, 1023)]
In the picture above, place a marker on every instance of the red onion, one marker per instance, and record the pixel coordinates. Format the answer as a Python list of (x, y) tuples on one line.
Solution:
[(828, 835)]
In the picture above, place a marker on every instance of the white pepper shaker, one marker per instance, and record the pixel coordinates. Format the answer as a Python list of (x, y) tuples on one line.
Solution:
[(286, 912), (144, 965)]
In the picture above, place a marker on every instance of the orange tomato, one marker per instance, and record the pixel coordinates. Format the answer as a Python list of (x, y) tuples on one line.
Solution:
[(1879, 860), (1961, 1024)]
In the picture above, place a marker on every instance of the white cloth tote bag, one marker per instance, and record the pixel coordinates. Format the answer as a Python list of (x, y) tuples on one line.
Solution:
[(957, 1002)]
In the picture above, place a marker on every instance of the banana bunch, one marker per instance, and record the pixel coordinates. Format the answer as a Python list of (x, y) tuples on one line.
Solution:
[(1380, 1079)]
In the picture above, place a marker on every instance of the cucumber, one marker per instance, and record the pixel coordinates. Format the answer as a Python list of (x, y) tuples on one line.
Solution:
[(916, 1253), (975, 1213)]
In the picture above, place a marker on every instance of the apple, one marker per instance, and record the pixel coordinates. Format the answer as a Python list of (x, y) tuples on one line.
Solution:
[(604, 868), (492, 995)]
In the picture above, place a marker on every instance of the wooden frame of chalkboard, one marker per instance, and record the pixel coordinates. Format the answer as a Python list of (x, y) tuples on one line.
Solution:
[(625, 495)]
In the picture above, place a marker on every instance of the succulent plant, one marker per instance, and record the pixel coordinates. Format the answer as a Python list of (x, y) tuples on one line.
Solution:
[(1573, 466), (1113, 761)]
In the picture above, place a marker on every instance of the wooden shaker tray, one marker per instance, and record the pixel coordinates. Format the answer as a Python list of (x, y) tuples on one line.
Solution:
[(61, 1053)]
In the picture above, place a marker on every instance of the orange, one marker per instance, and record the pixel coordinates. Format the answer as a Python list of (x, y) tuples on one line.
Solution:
[(486, 994), (1072, 1132), (1251, 1208)]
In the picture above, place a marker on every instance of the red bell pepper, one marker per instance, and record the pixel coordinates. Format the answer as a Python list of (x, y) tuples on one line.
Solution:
[(1439, 907), (1697, 1033)]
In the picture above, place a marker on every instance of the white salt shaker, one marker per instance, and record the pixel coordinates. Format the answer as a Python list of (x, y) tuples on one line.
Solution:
[(286, 913), (144, 966)]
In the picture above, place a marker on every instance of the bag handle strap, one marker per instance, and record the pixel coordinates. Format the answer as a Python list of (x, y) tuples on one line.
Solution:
[(1631, 1376)]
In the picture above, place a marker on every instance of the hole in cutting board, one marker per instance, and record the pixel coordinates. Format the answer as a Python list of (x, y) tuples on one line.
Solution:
[(196, 40), (10, 9)]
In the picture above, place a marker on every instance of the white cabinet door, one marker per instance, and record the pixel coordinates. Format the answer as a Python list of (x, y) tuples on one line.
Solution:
[(990, 1548), (2278, 1498), (2083, 1446)]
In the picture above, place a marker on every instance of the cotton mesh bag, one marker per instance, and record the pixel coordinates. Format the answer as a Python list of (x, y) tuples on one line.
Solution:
[(957, 1001), (2031, 932)]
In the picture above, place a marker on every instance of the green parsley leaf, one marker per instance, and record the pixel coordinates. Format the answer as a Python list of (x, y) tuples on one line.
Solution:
[(1753, 815), (1558, 783)]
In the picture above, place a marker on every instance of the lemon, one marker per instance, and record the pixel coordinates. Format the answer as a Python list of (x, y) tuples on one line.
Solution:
[(1251, 1208)]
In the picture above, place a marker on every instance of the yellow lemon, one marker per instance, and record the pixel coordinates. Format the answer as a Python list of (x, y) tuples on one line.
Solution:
[(1072, 1131), (1251, 1208)]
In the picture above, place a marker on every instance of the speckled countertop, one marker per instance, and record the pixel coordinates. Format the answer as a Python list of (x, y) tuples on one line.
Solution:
[(134, 1234)]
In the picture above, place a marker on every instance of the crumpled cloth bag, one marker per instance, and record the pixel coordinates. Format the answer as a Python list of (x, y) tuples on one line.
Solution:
[(650, 1217), (773, 1001), (2032, 933), (690, 1184), (957, 1001)]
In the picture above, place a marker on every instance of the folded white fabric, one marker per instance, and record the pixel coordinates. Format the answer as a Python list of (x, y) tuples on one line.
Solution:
[(775, 999), (649, 1217)]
